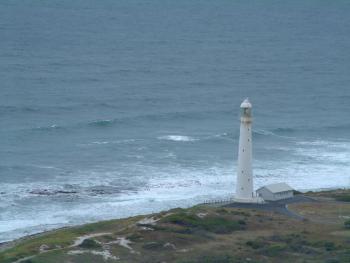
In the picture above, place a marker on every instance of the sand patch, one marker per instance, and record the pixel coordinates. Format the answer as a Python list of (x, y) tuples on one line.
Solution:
[(202, 215), (148, 221), (170, 245), (122, 241), (146, 228), (105, 253)]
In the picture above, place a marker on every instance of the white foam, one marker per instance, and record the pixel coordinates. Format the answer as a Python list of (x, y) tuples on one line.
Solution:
[(332, 144), (126, 141), (177, 138), (325, 151), (167, 186)]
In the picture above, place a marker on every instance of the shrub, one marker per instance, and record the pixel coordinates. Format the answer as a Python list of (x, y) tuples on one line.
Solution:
[(222, 211), (342, 197), (347, 224), (90, 243), (332, 260), (329, 246), (241, 222), (218, 225), (216, 259), (211, 259), (153, 245), (255, 244), (274, 250), (134, 237), (242, 213)]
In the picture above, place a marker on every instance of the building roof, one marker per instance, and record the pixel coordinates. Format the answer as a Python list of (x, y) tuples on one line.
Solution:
[(276, 188)]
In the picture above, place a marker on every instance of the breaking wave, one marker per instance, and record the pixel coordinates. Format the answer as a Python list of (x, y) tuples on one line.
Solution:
[(48, 128), (177, 138)]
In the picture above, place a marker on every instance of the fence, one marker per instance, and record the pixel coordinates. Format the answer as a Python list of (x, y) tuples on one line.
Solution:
[(256, 200), (219, 201)]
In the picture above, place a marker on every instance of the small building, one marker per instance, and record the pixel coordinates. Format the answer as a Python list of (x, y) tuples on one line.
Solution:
[(274, 192)]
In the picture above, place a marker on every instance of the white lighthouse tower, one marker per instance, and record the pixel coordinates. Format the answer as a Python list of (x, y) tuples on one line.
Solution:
[(244, 186)]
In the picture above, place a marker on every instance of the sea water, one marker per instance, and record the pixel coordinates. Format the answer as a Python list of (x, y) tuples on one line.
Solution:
[(115, 108)]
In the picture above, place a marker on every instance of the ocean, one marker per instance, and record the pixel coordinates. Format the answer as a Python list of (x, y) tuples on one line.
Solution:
[(110, 109)]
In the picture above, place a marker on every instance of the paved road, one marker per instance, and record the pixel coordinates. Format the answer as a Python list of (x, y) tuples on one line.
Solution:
[(280, 206)]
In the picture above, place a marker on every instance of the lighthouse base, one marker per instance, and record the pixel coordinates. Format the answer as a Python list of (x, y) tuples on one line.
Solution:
[(254, 200)]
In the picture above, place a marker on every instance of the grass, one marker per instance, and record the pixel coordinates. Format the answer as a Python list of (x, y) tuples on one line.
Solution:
[(323, 212), (274, 250), (31, 246), (342, 195), (58, 238)]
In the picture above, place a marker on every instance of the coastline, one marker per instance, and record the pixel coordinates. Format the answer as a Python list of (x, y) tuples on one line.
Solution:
[(7, 244), (124, 235)]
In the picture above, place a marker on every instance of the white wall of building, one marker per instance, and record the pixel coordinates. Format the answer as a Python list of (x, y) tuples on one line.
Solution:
[(244, 186), (269, 196)]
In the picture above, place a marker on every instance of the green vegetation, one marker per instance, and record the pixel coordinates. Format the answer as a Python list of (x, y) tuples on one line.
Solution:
[(329, 246), (90, 244), (218, 225), (31, 246), (274, 250), (153, 245), (255, 244), (342, 197), (212, 259), (347, 224), (201, 234)]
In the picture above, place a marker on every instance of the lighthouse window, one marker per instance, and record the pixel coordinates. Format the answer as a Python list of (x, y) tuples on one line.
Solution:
[(243, 150), (248, 180), (248, 140), (241, 188), (242, 171)]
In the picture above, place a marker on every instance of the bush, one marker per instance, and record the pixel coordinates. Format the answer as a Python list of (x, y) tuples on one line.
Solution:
[(274, 250), (347, 224), (216, 259), (153, 245), (90, 243), (332, 260), (255, 244), (222, 211), (342, 197), (211, 259), (241, 222), (134, 237), (329, 246), (218, 225), (242, 213)]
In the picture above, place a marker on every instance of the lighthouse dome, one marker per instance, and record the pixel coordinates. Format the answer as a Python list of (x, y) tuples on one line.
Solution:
[(246, 104)]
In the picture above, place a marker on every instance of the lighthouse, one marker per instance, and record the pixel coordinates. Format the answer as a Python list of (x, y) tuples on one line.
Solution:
[(244, 186)]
